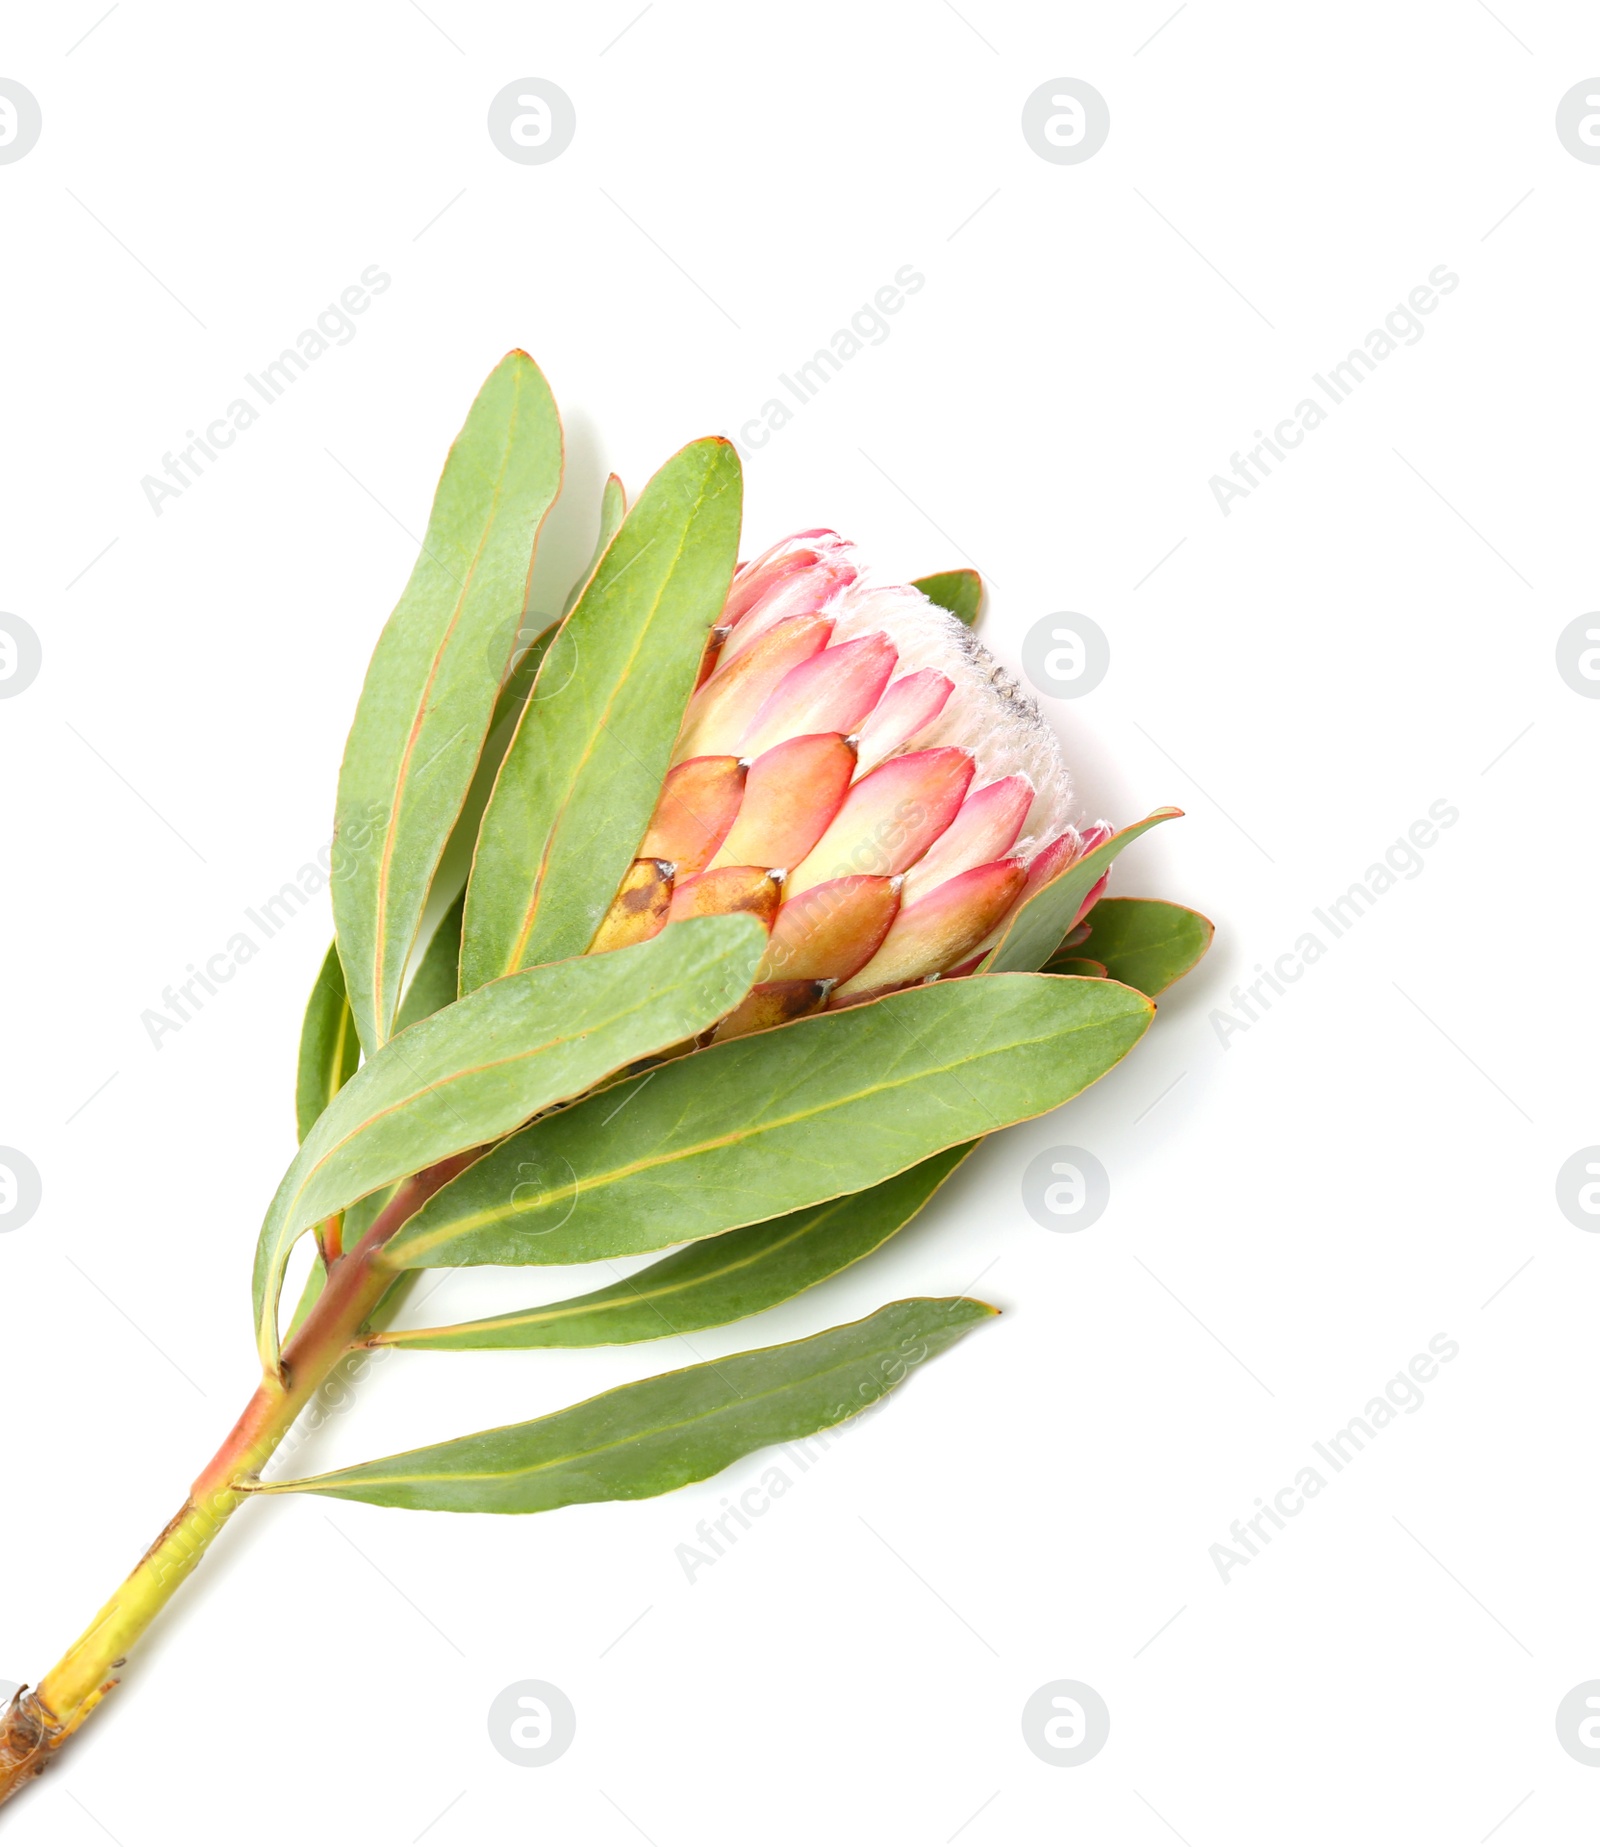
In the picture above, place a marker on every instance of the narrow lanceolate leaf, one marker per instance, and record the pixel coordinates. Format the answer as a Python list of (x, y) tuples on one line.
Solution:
[(431, 688), (1035, 933), (752, 1127), (580, 779), (434, 984), (659, 1434), (526, 660), (329, 1047), (527, 656), (1142, 942), (1079, 965), (455, 863), (613, 505), (717, 1280), (961, 592), (329, 1050), (475, 1070)]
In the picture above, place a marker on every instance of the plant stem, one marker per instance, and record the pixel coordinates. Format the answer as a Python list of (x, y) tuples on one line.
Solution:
[(39, 1721)]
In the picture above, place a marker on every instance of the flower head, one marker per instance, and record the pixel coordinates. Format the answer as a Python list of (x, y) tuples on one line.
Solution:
[(856, 769)]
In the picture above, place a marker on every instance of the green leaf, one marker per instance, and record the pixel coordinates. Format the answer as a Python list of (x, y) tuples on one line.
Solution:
[(434, 984), (329, 1050), (1079, 965), (475, 1070), (581, 777), (431, 688), (613, 506), (1036, 931), (527, 655), (1143, 942), (659, 1434), (455, 863), (766, 1124), (961, 592), (717, 1280), (329, 1047)]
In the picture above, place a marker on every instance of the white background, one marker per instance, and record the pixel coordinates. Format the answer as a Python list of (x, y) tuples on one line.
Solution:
[(1293, 1215)]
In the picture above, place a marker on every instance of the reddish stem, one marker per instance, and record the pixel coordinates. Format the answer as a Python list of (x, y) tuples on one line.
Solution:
[(39, 1722)]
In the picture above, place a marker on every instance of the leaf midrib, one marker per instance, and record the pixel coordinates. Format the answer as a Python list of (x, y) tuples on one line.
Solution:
[(563, 1311), (601, 1449), (613, 1176)]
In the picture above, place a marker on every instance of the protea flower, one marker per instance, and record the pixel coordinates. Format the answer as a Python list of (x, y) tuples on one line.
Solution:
[(858, 771)]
